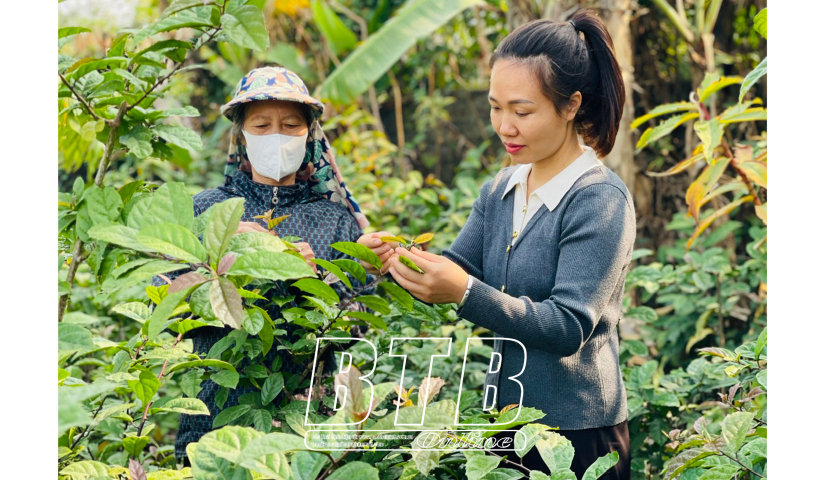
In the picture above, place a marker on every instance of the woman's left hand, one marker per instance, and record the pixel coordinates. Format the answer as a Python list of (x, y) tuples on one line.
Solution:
[(306, 250), (444, 281)]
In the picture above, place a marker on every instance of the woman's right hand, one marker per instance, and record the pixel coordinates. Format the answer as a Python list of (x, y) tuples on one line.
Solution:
[(384, 250), (245, 227)]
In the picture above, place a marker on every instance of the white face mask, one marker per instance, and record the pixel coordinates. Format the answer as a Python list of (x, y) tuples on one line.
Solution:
[(275, 156)]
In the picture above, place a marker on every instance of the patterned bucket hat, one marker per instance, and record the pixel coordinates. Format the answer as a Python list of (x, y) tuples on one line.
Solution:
[(272, 83)]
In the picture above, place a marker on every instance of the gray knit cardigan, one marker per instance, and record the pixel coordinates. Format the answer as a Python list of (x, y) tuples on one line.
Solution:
[(559, 291)]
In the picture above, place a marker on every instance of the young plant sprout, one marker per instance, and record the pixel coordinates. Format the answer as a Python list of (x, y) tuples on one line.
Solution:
[(420, 239)]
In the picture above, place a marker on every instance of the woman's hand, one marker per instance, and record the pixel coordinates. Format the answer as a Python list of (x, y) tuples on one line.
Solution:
[(306, 250), (443, 281), (250, 227), (303, 248), (382, 249)]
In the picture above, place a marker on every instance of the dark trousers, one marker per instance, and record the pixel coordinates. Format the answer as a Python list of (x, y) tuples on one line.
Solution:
[(590, 444)]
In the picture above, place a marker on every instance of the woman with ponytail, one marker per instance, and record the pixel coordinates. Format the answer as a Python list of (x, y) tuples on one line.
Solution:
[(544, 253)]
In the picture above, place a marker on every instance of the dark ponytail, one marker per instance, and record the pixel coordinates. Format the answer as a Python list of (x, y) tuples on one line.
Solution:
[(565, 63)]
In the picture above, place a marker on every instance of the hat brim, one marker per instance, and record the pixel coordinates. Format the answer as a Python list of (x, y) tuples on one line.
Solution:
[(273, 92)]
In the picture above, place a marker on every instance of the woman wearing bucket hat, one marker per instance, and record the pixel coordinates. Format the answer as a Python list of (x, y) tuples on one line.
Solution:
[(279, 160)]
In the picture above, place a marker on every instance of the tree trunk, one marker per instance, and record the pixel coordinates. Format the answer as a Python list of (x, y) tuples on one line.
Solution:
[(616, 16)]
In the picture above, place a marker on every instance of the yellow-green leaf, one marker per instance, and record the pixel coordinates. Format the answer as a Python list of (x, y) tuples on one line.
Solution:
[(710, 134), (714, 216), (663, 110)]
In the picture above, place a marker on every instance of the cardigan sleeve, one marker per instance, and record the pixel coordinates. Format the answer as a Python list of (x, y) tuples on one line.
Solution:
[(468, 248), (598, 231)]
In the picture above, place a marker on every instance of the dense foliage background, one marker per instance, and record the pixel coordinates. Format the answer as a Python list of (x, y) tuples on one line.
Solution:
[(139, 92)]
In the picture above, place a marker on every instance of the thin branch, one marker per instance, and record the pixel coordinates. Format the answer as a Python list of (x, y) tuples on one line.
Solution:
[(160, 375), (741, 464), (79, 97), (87, 427)]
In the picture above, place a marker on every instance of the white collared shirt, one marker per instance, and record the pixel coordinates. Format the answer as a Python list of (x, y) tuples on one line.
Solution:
[(549, 194)]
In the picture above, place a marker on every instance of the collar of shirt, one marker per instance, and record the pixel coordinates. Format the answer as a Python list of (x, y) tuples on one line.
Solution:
[(555, 189)]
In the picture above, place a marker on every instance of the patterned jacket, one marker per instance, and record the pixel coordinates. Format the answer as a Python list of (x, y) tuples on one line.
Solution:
[(316, 221)]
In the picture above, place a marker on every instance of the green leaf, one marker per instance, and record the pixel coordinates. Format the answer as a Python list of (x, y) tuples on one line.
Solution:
[(506, 420), (271, 388), (556, 451), (355, 471), (68, 31), (370, 318), (759, 71), (662, 110), (307, 465), (230, 414), (399, 294), (82, 68), (748, 115), (761, 377), (318, 288), (173, 240), (359, 251), (760, 343), (353, 268), (89, 129), (221, 227), (178, 5), (103, 204), (371, 59), (226, 378), (134, 310), (273, 443), (530, 434), (339, 37), (710, 134), (134, 445), (244, 25), (170, 203), (479, 464), (163, 311), (207, 16), (85, 469), (652, 134), (180, 136), (375, 303), (252, 242), (271, 266), (73, 337), (334, 270), (214, 455), (144, 273), (720, 472), (504, 474), (262, 420), (734, 429), (252, 321), (226, 302), (139, 139), (145, 387), (759, 22), (118, 235), (410, 264), (210, 362)]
